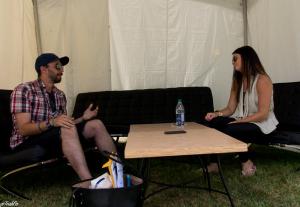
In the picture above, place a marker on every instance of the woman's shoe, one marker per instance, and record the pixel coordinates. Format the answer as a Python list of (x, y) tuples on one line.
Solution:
[(248, 169), (213, 168)]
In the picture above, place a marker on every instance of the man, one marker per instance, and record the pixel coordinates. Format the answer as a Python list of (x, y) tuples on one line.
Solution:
[(40, 117)]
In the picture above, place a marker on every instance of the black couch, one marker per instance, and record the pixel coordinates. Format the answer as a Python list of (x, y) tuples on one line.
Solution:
[(9, 159), (12, 162), (120, 109), (287, 111)]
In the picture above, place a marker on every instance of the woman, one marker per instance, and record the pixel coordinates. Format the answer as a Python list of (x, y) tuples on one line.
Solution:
[(249, 114)]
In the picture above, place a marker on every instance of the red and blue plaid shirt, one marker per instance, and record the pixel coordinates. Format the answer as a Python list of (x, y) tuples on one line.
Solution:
[(32, 97)]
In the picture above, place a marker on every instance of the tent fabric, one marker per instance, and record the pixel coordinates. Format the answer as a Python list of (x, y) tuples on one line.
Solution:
[(274, 31), (158, 44), (78, 29), (17, 40)]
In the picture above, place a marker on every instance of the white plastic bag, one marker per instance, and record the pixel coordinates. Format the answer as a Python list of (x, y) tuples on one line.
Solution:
[(103, 181)]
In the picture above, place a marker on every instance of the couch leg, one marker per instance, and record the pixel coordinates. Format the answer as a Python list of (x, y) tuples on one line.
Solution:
[(14, 193)]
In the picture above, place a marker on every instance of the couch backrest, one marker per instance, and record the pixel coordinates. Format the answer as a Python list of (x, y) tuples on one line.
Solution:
[(147, 105), (5, 120), (287, 104)]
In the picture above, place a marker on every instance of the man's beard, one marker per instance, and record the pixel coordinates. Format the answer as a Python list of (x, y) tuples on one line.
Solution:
[(56, 79)]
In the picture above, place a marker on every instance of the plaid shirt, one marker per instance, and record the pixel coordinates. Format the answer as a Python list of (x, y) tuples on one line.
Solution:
[(32, 97)]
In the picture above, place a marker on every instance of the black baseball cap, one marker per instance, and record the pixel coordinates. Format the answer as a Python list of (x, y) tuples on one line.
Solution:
[(46, 58)]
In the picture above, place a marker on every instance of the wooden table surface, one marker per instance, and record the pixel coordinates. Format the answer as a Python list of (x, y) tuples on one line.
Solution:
[(149, 140)]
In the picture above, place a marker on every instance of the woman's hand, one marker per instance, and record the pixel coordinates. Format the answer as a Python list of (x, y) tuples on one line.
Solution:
[(89, 113), (209, 116)]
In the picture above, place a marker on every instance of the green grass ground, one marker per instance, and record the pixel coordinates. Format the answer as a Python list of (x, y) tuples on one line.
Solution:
[(275, 184)]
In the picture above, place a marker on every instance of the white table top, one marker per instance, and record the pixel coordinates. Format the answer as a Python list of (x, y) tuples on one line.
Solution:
[(149, 140)]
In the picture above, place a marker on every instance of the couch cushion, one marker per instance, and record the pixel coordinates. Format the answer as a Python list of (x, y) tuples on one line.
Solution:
[(287, 105), (119, 109), (5, 120)]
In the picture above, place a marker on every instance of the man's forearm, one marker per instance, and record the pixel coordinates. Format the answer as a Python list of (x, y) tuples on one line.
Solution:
[(29, 129)]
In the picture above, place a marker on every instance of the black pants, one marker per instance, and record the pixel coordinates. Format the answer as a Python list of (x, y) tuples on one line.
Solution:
[(245, 132)]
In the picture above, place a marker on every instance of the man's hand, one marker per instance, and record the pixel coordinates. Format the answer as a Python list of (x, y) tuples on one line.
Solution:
[(89, 113), (63, 121)]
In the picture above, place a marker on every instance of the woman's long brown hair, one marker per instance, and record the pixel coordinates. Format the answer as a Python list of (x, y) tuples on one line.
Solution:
[(251, 66)]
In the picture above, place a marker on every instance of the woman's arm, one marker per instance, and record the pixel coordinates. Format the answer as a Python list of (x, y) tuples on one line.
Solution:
[(264, 89), (232, 104), (229, 109)]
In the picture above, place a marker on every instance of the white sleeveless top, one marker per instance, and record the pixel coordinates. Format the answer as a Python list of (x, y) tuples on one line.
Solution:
[(251, 107)]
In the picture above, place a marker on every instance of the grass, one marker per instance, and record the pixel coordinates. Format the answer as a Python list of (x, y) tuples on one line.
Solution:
[(277, 183)]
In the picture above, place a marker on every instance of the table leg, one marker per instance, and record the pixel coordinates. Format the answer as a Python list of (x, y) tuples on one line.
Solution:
[(144, 172), (223, 181), (206, 174)]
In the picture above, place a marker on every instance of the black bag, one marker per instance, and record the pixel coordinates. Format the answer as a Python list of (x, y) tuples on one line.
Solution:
[(110, 197)]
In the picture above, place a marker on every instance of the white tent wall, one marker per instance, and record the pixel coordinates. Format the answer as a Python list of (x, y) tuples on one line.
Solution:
[(274, 31), (17, 39), (172, 43), (78, 29), (163, 43)]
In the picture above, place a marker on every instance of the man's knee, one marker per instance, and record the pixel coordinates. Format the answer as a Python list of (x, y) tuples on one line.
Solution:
[(68, 133), (95, 125)]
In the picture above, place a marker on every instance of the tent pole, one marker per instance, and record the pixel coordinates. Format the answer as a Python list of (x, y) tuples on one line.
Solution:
[(245, 21), (37, 27)]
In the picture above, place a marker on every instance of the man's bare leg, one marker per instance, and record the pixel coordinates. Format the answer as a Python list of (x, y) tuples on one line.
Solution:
[(73, 151), (96, 129)]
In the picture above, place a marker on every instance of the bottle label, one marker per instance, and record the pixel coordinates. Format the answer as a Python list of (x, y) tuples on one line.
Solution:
[(179, 114), (178, 120), (182, 118)]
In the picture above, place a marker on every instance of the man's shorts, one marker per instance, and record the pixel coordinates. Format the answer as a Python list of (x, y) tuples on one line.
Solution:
[(49, 140)]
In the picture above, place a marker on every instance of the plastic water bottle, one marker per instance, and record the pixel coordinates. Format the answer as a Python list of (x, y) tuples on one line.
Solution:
[(179, 114)]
